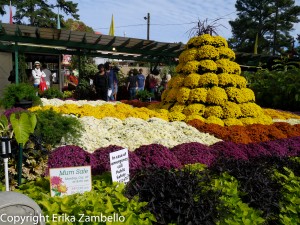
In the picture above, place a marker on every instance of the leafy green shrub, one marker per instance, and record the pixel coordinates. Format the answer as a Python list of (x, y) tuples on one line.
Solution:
[(105, 199), (16, 92), (84, 90), (290, 202), (144, 95), (232, 209), (276, 89), (52, 93), (52, 127)]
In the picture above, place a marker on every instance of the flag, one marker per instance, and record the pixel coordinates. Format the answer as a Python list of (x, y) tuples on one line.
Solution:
[(58, 20), (112, 27), (10, 14)]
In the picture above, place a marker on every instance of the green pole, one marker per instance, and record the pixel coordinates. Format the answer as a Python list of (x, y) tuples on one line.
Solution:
[(20, 161), (17, 63)]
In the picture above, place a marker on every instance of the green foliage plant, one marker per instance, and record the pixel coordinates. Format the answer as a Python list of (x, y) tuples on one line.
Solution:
[(232, 209), (51, 93), (5, 127), (276, 89), (105, 199), (52, 127), (23, 125), (290, 203), (14, 93), (144, 95)]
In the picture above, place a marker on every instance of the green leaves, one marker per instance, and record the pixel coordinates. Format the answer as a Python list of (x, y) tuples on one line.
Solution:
[(106, 200), (23, 126)]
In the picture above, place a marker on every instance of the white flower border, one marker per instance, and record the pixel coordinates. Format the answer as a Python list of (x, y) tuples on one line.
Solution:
[(132, 133)]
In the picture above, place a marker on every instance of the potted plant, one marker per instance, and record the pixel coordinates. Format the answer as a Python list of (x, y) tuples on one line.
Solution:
[(19, 95), (144, 95)]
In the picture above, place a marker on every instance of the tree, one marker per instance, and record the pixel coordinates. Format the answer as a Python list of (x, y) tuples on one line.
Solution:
[(75, 25), (270, 20), (41, 13)]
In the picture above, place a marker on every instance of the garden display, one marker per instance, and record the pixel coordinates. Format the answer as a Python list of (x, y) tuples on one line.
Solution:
[(206, 154)]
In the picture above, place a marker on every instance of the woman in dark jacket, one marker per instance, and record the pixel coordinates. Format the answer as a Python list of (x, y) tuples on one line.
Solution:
[(101, 83)]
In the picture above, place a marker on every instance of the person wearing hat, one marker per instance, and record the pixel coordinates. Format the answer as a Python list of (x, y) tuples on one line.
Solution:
[(37, 73)]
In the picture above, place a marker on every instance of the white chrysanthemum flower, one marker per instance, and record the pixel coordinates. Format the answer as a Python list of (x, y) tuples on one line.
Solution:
[(290, 121), (132, 133)]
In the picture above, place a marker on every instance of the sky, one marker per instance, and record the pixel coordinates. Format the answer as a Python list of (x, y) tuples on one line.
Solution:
[(170, 20)]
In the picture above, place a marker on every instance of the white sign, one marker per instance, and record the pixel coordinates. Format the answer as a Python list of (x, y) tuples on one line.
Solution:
[(119, 164), (70, 180)]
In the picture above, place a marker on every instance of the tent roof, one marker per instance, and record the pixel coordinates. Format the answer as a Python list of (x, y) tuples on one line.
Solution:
[(29, 39)]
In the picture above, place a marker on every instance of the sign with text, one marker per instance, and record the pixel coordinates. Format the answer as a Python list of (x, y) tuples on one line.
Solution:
[(119, 164), (70, 180)]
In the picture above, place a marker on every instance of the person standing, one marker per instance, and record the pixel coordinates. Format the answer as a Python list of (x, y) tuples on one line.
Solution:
[(112, 81), (37, 74), (141, 80), (101, 83), (132, 85), (48, 75)]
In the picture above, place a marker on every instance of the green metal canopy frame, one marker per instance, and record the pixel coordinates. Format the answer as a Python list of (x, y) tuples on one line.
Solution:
[(28, 39)]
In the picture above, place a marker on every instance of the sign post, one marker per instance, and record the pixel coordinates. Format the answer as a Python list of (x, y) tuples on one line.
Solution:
[(70, 180), (119, 163)]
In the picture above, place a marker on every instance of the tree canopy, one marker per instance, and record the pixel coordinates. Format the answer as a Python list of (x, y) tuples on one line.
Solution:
[(41, 13), (271, 21)]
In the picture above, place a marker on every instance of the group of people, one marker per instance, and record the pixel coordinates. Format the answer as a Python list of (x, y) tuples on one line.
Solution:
[(150, 83), (38, 74), (106, 82)]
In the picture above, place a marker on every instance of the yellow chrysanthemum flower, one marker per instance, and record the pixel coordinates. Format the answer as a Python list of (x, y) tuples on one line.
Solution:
[(251, 109), (214, 120), (188, 55), (216, 96), (208, 80), (215, 111), (198, 95), (194, 109), (166, 106), (226, 53), (231, 80), (206, 66), (194, 117), (183, 95), (176, 82), (240, 81), (177, 107), (248, 120), (171, 95), (176, 116), (219, 42), (227, 66), (232, 121), (201, 40), (265, 119), (208, 52), (231, 110), (178, 68), (190, 67), (240, 95), (191, 80)]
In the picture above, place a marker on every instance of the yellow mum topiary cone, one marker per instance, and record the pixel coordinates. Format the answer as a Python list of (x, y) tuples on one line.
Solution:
[(209, 79)]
